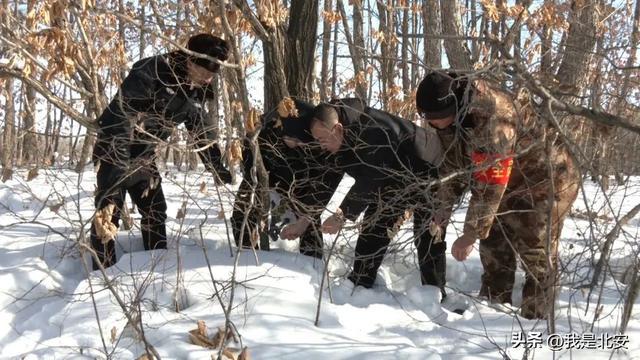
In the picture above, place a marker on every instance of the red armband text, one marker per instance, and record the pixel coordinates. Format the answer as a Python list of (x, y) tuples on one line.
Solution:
[(494, 169)]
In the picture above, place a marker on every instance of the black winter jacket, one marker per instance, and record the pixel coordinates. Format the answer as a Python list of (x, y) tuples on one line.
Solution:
[(382, 152), (156, 96), (292, 172)]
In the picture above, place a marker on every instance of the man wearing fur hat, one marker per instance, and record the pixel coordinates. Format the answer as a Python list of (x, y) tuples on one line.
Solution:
[(522, 180), (158, 94)]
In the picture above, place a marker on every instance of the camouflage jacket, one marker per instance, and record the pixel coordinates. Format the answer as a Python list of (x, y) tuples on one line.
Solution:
[(496, 147)]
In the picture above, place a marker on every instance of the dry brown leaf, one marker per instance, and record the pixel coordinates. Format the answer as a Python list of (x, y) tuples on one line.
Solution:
[(203, 187), (114, 334), (145, 357), (182, 211), (252, 121), (235, 152), (33, 173), (105, 229), (230, 354), (244, 355), (287, 108), (56, 207), (200, 340), (202, 328), (7, 174), (255, 237), (220, 214)]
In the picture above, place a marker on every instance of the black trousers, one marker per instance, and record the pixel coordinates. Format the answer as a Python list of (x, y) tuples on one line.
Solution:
[(374, 239), (146, 192), (313, 189)]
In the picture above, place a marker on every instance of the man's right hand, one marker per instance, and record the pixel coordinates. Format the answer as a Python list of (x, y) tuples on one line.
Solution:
[(295, 230), (334, 223)]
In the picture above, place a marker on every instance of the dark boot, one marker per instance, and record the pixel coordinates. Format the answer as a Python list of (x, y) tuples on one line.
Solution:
[(433, 269)]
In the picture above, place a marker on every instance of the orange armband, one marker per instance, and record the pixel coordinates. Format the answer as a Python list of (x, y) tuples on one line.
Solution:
[(496, 174)]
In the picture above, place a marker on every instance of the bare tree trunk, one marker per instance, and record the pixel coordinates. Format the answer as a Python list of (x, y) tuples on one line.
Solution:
[(46, 157), (121, 34), (334, 60), (300, 48), (387, 49), (547, 35), (85, 152), (457, 52), (432, 46), (415, 41), (496, 27), (29, 138), (632, 295), (356, 43), (326, 44), (8, 134), (406, 85), (581, 38), (142, 42), (275, 81)]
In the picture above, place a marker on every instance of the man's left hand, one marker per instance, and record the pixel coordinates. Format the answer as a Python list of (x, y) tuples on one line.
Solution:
[(333, 224), (294, 231), (462, 247)]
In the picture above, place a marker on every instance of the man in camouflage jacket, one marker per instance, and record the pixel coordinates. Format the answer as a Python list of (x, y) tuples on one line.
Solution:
[(522, 181)]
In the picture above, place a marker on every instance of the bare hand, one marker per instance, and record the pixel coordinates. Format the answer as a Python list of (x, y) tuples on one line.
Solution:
[(441, 217), (333, 224), (295, 230), (462, 247)]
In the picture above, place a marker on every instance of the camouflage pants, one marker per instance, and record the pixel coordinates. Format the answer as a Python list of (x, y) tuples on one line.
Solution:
[(529, 227)]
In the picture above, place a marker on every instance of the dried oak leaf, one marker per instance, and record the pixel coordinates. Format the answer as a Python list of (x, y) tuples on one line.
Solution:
[(105, 229), (252, 121), (33, 173), (287, 108)]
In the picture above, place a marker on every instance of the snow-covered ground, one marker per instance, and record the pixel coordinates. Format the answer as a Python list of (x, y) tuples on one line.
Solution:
[(51, 307)]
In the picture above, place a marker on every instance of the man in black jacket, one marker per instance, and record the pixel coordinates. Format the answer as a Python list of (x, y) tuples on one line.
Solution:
[(159, 93), (285, 149), (391, 160)]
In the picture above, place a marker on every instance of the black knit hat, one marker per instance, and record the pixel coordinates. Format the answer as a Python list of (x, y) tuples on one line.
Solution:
[(210, 45), (436, 95)]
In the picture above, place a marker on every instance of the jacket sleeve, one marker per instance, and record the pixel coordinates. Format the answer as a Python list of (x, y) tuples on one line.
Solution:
[(492, 151), (374, 155), (115, 123), (355, 202), (201, 128)]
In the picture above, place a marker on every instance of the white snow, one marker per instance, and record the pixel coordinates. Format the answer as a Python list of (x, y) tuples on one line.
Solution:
[(48, 300)]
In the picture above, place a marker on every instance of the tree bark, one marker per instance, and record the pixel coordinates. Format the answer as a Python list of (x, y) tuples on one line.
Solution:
[(29, 138), (432, 45), (8, 134), (581, 39), (300, 47), (387, 49), (326, 45), (356, 43), (457, 52), (406, 85)]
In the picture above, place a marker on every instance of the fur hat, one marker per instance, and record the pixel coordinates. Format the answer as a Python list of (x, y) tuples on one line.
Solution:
[(210, 45)]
